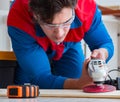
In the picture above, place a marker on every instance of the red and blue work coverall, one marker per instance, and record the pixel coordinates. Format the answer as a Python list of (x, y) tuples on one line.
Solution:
[(35, 52)]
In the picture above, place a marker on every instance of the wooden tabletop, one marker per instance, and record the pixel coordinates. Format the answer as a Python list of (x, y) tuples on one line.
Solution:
[(65, 96), (71, 94)]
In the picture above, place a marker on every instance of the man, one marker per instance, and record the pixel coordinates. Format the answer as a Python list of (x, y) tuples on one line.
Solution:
[(46, 38)]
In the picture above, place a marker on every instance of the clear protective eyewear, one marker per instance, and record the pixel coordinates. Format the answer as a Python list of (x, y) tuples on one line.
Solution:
[(62, 25)]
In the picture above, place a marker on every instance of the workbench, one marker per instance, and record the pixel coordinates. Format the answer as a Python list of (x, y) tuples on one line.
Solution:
[(65, 96)]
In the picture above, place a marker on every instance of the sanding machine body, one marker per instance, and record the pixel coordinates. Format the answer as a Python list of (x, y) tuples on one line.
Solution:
[(98, 70)]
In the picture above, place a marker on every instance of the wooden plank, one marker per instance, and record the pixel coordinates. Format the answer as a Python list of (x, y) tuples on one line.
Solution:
[(110, 10), (71, 94), (7, 55), (78, 94), (117, 7)]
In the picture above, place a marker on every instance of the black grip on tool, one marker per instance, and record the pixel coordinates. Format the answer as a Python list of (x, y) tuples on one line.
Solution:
[(114, 82), (118, 83)]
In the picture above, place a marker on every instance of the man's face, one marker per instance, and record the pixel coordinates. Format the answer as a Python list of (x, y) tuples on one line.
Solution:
[(59, 28)]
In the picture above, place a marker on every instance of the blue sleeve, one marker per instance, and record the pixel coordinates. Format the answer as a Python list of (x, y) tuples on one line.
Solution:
[(33, 60), (98, 37)]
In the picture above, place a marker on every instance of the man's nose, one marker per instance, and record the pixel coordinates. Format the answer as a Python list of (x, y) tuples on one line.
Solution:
[(59, 32)]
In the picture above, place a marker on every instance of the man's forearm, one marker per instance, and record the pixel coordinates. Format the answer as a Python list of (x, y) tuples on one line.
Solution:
[(76, 83)]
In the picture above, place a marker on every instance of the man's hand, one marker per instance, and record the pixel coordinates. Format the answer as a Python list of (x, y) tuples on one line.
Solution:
[(83, 81), (101, 53)]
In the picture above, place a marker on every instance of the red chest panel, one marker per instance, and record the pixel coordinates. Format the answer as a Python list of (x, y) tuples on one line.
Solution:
[(20, 17)]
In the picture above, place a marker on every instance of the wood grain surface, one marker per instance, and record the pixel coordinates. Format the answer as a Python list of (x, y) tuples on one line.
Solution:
[(71, 94)]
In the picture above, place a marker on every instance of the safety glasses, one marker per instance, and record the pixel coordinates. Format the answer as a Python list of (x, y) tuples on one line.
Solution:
[(62, 25)]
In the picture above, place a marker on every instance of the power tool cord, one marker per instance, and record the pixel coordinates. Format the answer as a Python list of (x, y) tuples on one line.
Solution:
[(114, 82)]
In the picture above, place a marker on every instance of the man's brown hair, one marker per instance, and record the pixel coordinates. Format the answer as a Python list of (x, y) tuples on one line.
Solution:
[(45, 10)]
